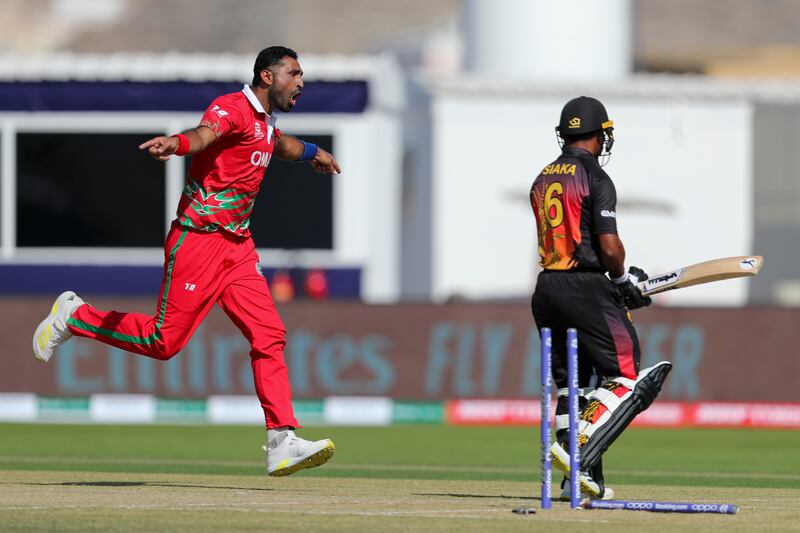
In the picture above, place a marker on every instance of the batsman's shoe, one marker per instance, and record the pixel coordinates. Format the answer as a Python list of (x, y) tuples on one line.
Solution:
[(291, 454), (53, 330), (608, 494), (561, 461)]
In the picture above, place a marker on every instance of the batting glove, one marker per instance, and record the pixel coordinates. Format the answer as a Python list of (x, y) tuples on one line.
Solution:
[(634, 299)]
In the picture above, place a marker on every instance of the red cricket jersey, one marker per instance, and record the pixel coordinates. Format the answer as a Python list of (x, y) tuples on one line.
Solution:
[(224, 179)]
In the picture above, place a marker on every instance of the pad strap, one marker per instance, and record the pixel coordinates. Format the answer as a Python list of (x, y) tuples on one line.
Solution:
[(625, 382), (564, 393), (612, 423), (587, 428), (562, 422), (607, 398)]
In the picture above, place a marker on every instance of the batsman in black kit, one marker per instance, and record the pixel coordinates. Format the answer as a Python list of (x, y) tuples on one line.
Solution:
[(584, 285)]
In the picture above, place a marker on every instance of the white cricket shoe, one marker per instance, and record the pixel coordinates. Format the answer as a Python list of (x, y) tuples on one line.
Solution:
[(53, 330), (608, 494), (561, 461), (288, 453)]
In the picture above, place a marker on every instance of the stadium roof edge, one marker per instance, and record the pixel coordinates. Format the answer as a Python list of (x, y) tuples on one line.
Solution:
[(382, 72), (650, 86), (68, 66)]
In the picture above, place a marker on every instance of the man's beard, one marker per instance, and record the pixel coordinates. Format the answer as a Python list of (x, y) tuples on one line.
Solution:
[(281, 104)]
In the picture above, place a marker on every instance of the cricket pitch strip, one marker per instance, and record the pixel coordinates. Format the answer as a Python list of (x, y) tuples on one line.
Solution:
[(84, 501)]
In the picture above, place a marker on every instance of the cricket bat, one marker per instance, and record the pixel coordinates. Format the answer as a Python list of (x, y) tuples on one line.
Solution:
[(715, 270)]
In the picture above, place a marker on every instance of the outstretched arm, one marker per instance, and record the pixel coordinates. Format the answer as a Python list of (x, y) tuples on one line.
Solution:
[(291, 149), (196, 140)]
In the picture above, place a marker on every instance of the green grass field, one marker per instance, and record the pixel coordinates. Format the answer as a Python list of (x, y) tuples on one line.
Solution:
[(426, 478)]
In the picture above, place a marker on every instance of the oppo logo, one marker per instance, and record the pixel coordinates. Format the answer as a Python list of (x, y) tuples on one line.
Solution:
[(259, 159), (640, 506), (705, 507)]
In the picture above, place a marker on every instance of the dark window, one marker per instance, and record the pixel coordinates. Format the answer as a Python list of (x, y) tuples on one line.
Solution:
[(294, 209), (88, 189)]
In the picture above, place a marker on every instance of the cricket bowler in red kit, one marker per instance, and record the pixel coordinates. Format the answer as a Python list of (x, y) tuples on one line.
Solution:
[(209, 255)]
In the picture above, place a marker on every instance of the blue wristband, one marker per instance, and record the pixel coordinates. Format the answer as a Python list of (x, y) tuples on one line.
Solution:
[(309, 151)]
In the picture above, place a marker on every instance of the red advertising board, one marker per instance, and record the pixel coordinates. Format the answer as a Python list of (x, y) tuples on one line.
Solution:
[(423, 352)]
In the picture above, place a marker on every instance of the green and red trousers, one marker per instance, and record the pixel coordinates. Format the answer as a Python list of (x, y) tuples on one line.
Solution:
[(202, 269)]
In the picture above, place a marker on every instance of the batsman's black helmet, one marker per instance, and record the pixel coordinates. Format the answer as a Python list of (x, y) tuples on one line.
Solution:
[(583, 115)]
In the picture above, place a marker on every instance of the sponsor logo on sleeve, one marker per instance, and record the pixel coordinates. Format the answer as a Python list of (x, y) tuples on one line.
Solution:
[(219, 111), (608, 214)]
